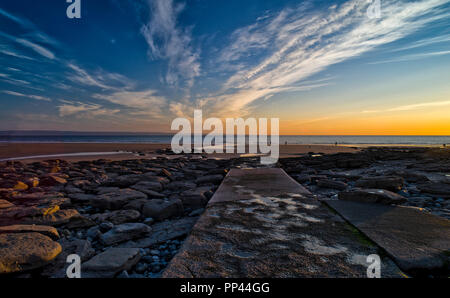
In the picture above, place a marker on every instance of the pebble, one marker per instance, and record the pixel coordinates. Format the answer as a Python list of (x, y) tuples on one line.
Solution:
[(123, 274), (149, 221), (154, 252), (106, 226), (141, 268)]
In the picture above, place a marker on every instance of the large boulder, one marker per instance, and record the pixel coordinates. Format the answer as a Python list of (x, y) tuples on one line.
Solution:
[(125, 232), (381, 196), (214, 179), (25, 251), (436, 188), (411, 177), (391, 183), (181, 185), (123, 181), (162, 209), (144, 186), (116, 200), (194, 198), (109, 263), (117, 217), (333, 184), (80, 198)]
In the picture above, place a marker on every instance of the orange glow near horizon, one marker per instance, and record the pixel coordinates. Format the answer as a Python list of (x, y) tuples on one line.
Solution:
[(412, 123)]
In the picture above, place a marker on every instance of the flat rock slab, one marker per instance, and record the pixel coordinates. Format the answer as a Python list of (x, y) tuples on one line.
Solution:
[(240, 184), (273, 230), (44, 230), (110, 262), (417, 241), (164, 231)]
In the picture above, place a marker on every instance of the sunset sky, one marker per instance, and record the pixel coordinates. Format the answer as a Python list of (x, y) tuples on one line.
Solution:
[(322, 67)]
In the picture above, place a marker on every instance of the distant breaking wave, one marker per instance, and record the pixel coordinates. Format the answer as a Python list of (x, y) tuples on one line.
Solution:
[(166, 139)]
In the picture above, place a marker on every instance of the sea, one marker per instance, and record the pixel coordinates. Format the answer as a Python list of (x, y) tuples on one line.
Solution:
[(285, 139)]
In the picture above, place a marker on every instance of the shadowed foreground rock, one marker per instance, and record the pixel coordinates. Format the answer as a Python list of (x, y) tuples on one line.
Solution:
[(247, 233)]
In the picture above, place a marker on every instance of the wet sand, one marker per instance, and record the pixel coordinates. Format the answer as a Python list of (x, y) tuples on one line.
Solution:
[(129, 151)]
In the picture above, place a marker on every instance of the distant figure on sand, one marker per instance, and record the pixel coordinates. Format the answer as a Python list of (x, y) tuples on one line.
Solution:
[(336, 143), (444, 145), (286, 143)]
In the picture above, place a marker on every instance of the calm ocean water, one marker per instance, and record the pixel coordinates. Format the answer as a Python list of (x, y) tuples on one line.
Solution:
[(166, 139)]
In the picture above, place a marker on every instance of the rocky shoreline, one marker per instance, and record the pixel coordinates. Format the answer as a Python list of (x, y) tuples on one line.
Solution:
[(129, 218), (415, 177)]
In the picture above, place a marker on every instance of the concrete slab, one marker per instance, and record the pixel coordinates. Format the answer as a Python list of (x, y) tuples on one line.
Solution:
[(269, 226), (417, 241), (240, 184)]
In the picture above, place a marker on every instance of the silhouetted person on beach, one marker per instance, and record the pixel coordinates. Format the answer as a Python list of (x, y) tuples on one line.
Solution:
[(336, 143)]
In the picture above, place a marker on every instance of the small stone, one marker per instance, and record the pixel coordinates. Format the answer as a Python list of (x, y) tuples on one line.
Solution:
[(154, 252), (141, 268), (93, 233), (124, 274), (197, 212), (149, 221)]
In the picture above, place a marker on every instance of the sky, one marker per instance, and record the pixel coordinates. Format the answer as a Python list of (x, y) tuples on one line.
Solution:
[(321, 67)]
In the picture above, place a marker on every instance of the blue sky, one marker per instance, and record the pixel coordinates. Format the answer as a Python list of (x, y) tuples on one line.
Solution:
[(322, 67)]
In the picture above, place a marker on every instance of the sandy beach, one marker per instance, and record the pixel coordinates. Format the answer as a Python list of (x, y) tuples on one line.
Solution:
[(130, 150)]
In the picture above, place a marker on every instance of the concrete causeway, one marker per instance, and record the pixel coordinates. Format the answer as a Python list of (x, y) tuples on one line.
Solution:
[(262, 223)]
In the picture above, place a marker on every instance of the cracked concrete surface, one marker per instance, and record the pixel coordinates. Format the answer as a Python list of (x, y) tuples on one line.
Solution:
[(269, 229)]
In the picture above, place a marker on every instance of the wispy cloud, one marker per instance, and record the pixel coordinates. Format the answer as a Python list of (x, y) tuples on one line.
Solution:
[(297, 43), (166, 40), (420, 106), (144, 103), (424, 42), (13, 54), (80, 109), (101, 78), (34, 33), (412, 57), (37, 97), (37, 48)]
